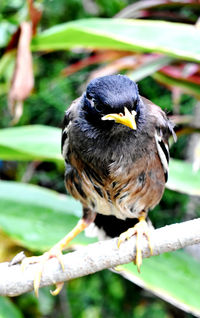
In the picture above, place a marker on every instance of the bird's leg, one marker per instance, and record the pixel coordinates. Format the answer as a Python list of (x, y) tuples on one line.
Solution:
[(55, 251), (140, 229)]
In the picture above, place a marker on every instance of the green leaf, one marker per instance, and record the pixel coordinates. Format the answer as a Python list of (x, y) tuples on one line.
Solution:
[(174, 39), (8, 309), (30, 143), (35, 217), (182, 178), (7, 58), (173, 277), (6, 29)]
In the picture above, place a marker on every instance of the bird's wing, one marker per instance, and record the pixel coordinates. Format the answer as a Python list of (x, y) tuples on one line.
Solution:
[(70, 114), (164, 128)]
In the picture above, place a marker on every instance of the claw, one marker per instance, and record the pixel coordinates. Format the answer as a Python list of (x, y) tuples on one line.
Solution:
[(55, 251), (59, 286), (140, 229), (36, 283), (126, 235), (117, 268), (41, 260)]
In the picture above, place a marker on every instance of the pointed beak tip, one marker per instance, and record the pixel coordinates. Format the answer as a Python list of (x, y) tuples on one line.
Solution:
[(128, 119)]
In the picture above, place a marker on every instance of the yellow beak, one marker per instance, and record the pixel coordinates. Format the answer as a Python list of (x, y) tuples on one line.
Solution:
[(127, 119)]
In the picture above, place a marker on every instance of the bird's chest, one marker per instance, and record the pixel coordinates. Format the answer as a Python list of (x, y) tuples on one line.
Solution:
[(121, 177), (129, 190)]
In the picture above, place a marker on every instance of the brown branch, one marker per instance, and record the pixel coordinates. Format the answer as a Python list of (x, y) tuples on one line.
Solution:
[(96, 257)]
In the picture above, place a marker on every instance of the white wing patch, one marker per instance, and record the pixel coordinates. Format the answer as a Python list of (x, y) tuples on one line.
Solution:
[(65, 140), (163, 152)]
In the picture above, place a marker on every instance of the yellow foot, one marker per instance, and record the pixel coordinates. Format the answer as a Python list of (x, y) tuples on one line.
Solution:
[(55, 251), (140, 229), (41, 260)]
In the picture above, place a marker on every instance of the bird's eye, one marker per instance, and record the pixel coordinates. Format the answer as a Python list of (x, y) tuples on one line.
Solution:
[(100, 108)]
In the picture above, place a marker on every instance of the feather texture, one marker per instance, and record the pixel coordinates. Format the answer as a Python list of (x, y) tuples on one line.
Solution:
[(111, 169)]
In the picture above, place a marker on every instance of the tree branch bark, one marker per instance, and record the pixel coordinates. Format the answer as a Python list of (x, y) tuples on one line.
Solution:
[(96, 257)]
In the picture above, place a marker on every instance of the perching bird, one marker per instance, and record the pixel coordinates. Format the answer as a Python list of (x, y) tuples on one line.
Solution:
[(115, 146)]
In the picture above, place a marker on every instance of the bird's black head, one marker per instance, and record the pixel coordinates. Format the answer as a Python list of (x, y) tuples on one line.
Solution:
[(109, 98)]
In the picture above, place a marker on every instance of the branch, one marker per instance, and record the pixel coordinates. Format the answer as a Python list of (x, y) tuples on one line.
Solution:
[(96, 257)]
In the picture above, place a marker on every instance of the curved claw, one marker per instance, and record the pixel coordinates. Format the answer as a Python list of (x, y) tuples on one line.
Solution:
[(36, 283), (140, 229), (126, 235), (55, 251), (59, 286), (41, 260)]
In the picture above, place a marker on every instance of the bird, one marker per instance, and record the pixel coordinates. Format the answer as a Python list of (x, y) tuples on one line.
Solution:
[(116, 152)]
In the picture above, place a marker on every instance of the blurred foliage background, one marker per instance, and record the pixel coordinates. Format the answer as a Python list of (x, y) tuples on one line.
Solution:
[(94, 38)]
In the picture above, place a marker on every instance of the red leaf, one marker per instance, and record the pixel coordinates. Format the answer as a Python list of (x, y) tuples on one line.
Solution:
[(187, 71), (23, 81), (100, 56)]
